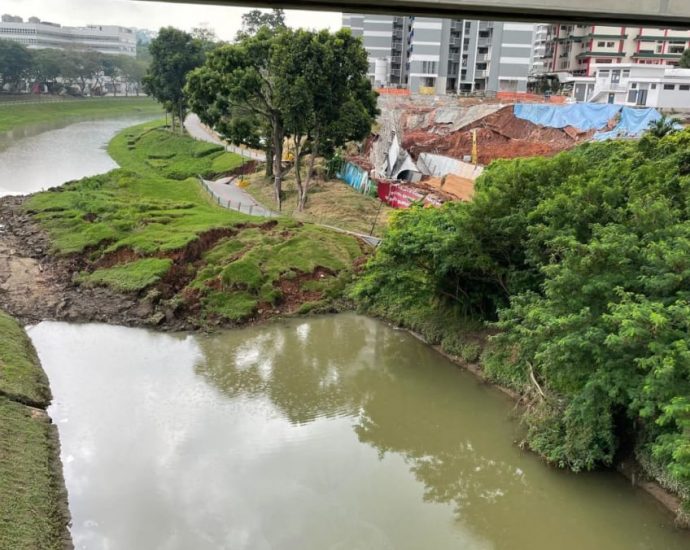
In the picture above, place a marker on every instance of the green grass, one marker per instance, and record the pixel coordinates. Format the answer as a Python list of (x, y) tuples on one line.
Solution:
[(13, 117), (153, 209), (32, 497), (21, 376), (129, 277)]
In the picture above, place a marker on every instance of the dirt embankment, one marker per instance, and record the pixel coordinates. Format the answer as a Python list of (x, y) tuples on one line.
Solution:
[(500, 135), (36, 285)]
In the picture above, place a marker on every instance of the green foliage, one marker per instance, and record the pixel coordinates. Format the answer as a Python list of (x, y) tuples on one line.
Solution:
[(129, 277), (663, 126), (173, 54), (15, 62), (583, 261), (684, 61)]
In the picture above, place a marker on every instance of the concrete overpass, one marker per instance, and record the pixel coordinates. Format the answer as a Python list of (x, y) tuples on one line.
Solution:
[(667, 13)]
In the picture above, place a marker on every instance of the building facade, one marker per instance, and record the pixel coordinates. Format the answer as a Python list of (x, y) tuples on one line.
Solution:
[(635, 84), (36, 34), (576, 49), (435, 55)]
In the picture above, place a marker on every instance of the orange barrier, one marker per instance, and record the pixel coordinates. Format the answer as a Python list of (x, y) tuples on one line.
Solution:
[(524, 97), (393, 91)]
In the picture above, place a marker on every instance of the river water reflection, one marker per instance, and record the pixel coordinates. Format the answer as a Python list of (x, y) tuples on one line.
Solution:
[(333, 432), (40, 157)]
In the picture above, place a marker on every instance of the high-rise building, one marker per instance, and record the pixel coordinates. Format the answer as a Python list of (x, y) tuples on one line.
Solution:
[(36, 34), (575, 49), (434, 55)]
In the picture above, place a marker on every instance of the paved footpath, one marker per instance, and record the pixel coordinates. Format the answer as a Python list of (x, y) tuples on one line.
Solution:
[(227, 194)]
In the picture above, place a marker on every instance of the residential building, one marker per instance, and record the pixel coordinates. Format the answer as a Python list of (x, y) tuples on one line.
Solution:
[(36, 34), (385, 39), (435, 55), (575, 49), (635, 84)]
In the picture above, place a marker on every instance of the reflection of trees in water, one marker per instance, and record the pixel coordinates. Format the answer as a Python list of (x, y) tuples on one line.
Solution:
[(402, 402), (322, 367)]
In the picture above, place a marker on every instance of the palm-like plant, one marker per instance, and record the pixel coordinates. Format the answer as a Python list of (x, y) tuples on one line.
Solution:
[(663, 126)]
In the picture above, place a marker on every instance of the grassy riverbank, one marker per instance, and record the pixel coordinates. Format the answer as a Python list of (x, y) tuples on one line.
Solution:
[(149, 230), (14, 116), (33, 503)]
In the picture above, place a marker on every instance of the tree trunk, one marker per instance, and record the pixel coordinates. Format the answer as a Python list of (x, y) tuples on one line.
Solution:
[(269, 162), (307, 183), (298, 176), (278, 135)]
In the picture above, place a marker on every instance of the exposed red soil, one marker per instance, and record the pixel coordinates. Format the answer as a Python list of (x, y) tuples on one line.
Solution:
[(500, 135)]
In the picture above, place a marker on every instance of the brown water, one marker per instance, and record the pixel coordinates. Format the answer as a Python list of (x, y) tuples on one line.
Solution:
[(326, 433), (48, 155)]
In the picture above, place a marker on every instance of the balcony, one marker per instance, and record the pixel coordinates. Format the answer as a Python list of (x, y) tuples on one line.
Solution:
[(482, 57), (480, 73)]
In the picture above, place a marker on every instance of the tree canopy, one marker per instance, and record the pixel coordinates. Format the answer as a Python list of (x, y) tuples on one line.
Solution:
[(309, 85), (253, 20), (15, 63), (174, 53)]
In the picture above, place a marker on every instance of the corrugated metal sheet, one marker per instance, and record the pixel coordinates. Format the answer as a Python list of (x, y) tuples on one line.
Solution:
[(355, 177)]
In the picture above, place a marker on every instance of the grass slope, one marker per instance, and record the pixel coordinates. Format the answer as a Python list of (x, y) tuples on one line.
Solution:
[(33, 509), (21, 376), (330, 202), (150, 223), (13, 116)]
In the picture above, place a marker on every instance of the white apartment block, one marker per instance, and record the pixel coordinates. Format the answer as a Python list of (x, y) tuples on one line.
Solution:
[(576, 49), (434, 55), (35, 34)]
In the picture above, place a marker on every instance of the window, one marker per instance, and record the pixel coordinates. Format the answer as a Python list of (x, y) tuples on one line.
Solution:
[(669, 86), (429, 67), (601, 44), (610, 44), (653, 86), (633, 85), (684, 87), (603, 74), (615, 76), (626, 73)]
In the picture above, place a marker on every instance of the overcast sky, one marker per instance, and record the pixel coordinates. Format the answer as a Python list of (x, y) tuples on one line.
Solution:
[(153, 15)]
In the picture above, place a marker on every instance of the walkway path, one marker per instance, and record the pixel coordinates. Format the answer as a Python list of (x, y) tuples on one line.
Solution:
[(227, 194)]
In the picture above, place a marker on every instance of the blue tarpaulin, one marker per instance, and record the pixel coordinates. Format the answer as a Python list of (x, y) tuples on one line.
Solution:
[(633, 122), (589, 116), (355, 177)]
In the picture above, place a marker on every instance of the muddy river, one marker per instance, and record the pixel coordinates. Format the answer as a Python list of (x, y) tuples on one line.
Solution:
[(44, 156), (334, 432)]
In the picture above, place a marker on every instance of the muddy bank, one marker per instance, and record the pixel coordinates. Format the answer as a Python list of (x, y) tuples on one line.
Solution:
[(37, 285)]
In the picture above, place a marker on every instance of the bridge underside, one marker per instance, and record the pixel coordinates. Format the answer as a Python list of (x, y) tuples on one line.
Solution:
[(669, 13)]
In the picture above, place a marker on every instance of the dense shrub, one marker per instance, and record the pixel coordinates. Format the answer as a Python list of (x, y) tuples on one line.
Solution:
[(582, 261)]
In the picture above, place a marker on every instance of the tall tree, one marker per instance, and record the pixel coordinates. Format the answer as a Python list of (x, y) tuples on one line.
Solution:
[(236, 86), (15, 63), (324, 93), (252, 21), (174, 53)]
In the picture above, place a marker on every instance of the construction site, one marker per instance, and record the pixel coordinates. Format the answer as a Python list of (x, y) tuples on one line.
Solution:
[(431, 149)]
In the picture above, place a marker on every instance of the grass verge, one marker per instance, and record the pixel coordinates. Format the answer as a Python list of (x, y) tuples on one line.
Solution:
[(13, 116), (21, 376), (33, 503)]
